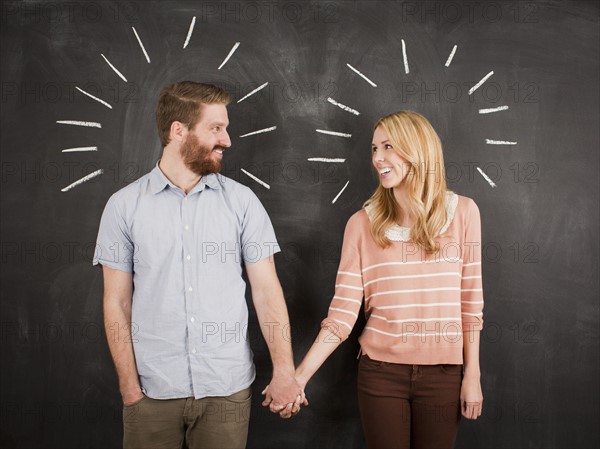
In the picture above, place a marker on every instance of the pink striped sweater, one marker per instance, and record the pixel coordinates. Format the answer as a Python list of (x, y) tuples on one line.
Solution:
[(416, 306)]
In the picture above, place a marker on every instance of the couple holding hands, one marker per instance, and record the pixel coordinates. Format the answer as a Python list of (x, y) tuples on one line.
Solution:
[(411, 256)]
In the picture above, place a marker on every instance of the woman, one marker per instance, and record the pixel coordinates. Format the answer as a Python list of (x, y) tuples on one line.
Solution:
[(414, 254)]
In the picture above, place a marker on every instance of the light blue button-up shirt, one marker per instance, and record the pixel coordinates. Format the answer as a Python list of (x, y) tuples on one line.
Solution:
[(189, 312)]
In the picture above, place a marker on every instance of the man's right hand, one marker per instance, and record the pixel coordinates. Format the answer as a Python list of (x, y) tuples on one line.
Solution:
[(132, 397)]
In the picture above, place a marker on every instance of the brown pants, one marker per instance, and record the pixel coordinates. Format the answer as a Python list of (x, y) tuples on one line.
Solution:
[(399, 403), (207, 423)]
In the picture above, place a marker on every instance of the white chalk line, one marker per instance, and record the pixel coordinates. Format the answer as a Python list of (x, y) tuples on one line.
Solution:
[(483, 80), (364, 77), (94, 98), (325, 159), (333, 133), (80, 123), (490, 110), (261, 182), (72, 150), (343, 106), (449, 60), (499, 142), (406, 70), (341, 191), (141, 45), (264, 130), (486, 177), (82, 180), (233, 49), (114, 68), (253, 92), (190, 31)]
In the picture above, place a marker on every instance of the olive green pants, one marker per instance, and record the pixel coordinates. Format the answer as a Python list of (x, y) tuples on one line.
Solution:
[(207, 423)]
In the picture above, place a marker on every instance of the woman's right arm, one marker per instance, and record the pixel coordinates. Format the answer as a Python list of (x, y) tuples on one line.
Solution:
[(342, 314), (326, 342), (344, 308)]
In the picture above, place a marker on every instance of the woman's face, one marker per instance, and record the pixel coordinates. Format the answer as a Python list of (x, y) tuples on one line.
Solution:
[(391, 167)]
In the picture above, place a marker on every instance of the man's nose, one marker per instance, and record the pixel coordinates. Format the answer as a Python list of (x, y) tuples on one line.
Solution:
[(225, 141)]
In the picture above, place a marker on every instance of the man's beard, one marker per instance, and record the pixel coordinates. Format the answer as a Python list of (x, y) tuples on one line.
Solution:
[(198, 158)]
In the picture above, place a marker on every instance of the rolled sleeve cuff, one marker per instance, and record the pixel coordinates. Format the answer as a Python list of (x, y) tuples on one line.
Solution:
[(114, 265), (336, 328)]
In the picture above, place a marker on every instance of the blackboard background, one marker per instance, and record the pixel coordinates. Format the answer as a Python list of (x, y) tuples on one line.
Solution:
[(539, 351)]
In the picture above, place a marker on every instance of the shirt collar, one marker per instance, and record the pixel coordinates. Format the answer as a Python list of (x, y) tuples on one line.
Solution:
[(158, 181)]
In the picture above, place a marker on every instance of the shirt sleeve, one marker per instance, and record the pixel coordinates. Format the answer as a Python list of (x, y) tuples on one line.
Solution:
[(349, 291), (471, 283), (114, 246), (258, 236)]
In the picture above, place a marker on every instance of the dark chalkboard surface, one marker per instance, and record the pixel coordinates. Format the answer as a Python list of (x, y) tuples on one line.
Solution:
[(531, 127)]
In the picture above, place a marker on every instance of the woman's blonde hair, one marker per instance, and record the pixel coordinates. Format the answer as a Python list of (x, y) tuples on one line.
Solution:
[(413, 138)]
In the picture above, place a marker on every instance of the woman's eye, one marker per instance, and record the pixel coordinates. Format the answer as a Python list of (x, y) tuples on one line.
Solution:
[(388, 146)]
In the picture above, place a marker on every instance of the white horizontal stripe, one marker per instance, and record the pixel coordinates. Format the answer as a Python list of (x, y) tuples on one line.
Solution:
[(412, 263), (344, 311), (404, 306), (79, 123), (449, 273), (77, 149), (334, 160), (410, 334), (471, 264), (344, 323), (471, 277), (499, 142), (415, 290), (472, 302), (343, 106), (471, 290), (350, 274), (487, 111), (473, 314), (333, 133), (264, 130), (347, 299), (410, 320), (348, 286)]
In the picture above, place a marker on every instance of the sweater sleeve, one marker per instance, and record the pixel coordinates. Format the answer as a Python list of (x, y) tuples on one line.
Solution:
[(471, 283), (349, 293)]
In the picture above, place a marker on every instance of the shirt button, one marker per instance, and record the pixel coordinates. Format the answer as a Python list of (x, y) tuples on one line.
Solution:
[(192, 319), (188, 257), (187, 228), (194, 351), (190, 289)]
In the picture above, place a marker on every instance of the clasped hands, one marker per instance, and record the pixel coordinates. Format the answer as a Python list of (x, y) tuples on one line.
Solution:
[(285, 396)]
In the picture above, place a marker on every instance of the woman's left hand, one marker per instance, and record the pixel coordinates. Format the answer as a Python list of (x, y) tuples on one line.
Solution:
[(471, 397)]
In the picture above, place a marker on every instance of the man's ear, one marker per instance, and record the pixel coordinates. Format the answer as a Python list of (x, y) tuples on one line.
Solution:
[(178, 131)]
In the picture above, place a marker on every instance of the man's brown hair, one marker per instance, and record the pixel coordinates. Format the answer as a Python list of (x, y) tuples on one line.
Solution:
[(182, 102)]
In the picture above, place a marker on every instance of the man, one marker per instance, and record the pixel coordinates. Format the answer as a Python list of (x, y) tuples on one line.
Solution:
[(172, 246)]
